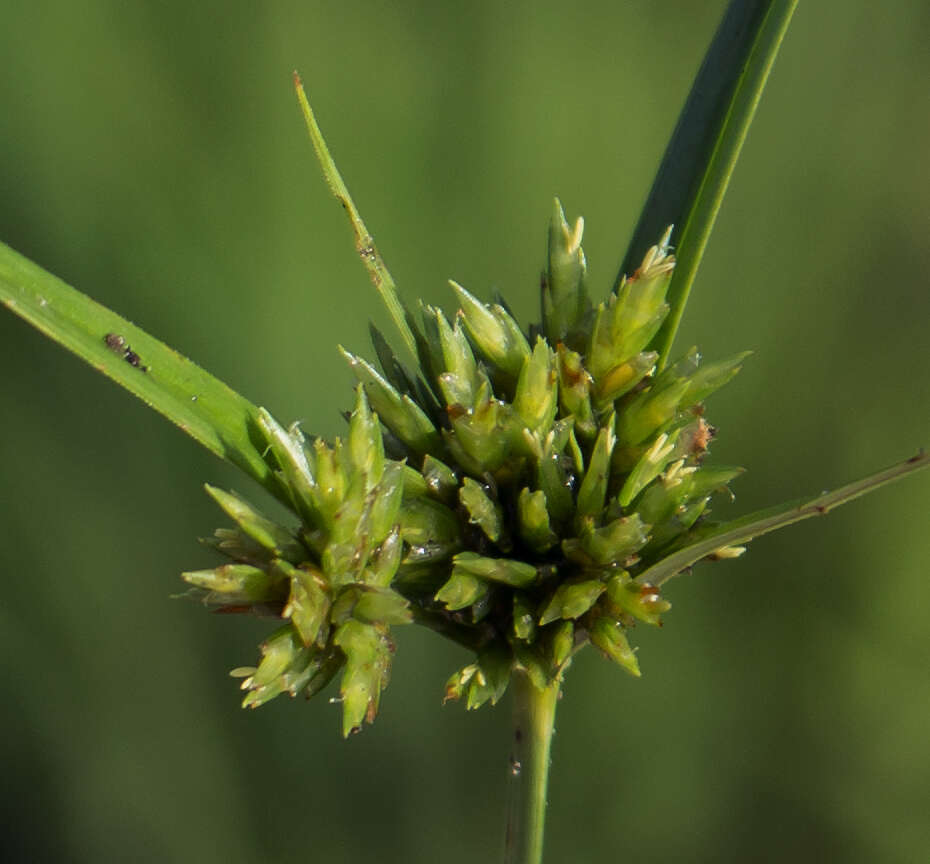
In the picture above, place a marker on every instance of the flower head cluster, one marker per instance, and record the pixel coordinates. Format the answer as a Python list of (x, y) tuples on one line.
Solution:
[(508, 494)]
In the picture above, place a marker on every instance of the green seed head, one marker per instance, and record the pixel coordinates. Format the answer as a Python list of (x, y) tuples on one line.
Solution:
[(506, 493)]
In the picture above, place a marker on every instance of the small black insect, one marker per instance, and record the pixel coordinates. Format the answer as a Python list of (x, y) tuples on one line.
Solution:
[(118, 345), (133, 360)]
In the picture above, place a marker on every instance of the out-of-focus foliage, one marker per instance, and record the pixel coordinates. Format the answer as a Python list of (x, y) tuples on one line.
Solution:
[(153, 156)]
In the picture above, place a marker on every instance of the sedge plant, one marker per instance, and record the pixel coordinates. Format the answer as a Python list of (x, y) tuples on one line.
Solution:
[(525, 490)]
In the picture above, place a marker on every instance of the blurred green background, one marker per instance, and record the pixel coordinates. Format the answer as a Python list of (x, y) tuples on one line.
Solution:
[(152, 155)]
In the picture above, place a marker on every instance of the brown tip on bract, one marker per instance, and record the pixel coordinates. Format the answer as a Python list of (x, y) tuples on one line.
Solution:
[(297, 82)]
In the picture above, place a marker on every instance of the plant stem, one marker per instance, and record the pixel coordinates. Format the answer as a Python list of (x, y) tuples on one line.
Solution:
[(533, 725)]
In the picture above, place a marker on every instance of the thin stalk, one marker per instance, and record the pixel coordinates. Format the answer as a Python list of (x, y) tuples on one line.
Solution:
[(533, 725)]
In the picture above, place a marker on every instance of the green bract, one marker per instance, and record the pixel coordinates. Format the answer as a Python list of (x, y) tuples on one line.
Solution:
[(506, 493)]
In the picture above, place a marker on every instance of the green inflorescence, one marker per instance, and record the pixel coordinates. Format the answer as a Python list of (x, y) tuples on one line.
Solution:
[(507, 494)]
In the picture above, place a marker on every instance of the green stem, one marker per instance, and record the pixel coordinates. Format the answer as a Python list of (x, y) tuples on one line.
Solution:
[(533, 725)]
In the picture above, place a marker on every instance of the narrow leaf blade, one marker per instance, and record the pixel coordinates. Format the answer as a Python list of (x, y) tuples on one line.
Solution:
[(202, 406), (364, 242), (772, 518), (702, 153)]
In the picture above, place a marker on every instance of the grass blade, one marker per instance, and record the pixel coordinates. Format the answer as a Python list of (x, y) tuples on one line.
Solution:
[(763, 521), (364, 242), (700, 157), (202, 406)]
